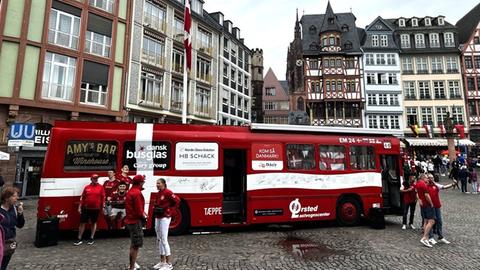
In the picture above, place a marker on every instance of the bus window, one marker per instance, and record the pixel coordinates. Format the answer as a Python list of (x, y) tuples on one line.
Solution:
[(147, 156), (300, 157), (362, 158), (332, 158), (90, 156)]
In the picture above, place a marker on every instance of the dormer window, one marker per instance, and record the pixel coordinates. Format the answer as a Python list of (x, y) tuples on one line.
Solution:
[(401, 22), (428, 22), (312, 29), (415, 22), (332, 41), (330, 20), (345, 28), (441, 21)]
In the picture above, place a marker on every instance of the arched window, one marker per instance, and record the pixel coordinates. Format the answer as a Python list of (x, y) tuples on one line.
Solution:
[(312, 29), (300, 104)]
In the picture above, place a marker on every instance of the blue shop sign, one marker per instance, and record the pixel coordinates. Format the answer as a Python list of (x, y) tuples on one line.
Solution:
[(21, 135)]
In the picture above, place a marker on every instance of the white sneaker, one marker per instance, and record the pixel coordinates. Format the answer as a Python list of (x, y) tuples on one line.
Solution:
[(404, 227), (432, 241), (444, 241), (167, 266), (137, 266), (425, 243), (159, 265), (413, 227)]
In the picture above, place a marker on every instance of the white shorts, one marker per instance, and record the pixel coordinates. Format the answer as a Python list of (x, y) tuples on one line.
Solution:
[(115, 211)]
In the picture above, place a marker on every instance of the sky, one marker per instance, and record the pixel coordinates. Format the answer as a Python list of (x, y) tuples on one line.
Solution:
[(269, 24)]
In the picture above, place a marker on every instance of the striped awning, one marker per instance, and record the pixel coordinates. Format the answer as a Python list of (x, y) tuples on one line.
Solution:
[(437, 142)]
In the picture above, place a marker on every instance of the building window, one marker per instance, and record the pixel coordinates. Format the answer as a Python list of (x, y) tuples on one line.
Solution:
[(203, 69), (383, 100), (205, 41), (412, 116), (270, 106), (152, 52), (401, 22), (394, 122), (472, 108), (424, 90), (415, 22), (391, 60), (369, 59), (452, 66), (419, 41), (372, 99), (362, 158), (428, 22), (434, 40), (270, 91), (383, 119), (409, 88), (300, 104), (454, 89), (439, 89), (477, 62), (449, 40), (332, 158), (313, 64), (97, 44), (457, 115), (476, 40), (152, 90), (394, 100), (177, 61), (392, 79), (176, 99), (384, 40), (407, 65), (197, 6), (470, 84), (469, 62), (202, 101), (300, 156), (422, 65), (405, 41), (381, 59), (63, 29), (94, 84), (58, 77), (154, 16), (106, 5), (441, 21), (371, 78), (178, 31), (372, 121), (437, 64), (427, 116), (374, 40), (441, 115)]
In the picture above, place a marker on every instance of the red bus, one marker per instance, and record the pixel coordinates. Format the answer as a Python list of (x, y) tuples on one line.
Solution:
[(229, 175)]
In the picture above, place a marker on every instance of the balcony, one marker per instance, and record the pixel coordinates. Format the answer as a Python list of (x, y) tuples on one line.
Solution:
[(154, 60), (206, 50)]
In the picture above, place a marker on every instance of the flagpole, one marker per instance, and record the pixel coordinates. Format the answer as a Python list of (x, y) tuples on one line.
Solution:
[(185, 88)]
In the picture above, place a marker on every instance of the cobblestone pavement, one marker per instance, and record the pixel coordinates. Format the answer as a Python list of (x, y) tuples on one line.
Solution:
[(323, 247)]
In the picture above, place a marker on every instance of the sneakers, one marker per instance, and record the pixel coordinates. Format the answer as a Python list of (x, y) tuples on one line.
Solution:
[(90, 241), (404, 227), (167, 266), (159, 265), (426, 243), (413, 227), (137, 266), (444, 241), (78, 242), (432, 241)]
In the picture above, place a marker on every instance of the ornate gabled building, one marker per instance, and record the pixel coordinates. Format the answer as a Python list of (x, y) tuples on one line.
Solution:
[(324, 69), (469, 38)]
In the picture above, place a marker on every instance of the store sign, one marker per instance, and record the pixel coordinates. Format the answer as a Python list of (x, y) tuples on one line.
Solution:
[(21, 135), (147, 155), (42, 134), (267, 157), (4, 156), (196, 156)]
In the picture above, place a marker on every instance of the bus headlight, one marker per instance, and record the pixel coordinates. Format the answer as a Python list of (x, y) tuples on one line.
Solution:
[(375, 205)]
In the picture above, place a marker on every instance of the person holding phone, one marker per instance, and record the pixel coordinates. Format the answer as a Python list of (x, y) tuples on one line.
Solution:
[(12, 212)]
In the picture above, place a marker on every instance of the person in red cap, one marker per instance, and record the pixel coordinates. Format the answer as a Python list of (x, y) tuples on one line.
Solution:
[(135, 217), (91, 201)]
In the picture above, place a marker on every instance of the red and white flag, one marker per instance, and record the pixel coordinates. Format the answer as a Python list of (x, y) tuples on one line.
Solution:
[(187, 41), (428, 130)]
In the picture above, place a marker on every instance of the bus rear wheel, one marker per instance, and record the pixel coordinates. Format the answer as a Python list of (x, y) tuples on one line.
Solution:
[(180, 220), (348, 212)]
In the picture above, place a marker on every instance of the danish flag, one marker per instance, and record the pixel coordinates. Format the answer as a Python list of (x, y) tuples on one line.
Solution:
[(187, 42)]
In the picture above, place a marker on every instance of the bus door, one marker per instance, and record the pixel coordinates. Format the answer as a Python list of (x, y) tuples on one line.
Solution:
[(234, 185), (391, 183)]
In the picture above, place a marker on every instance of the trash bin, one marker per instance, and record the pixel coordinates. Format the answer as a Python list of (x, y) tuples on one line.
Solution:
[(47, 232), (377, 218)]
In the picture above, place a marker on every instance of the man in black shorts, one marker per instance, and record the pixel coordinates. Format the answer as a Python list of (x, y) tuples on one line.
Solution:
[(91, 201), (135, 216)]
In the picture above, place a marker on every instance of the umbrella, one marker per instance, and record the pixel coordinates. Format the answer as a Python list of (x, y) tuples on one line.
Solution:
[(445, 152)]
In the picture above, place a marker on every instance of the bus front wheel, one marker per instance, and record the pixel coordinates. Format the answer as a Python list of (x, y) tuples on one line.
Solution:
[(348, 212), (180, 220)]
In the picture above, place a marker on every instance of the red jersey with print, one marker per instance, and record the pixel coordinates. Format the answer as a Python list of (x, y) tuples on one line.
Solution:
[(126, 179), (134, 205), (433, 191), (166, 200), (93, 196), (118, 199), (421, 188), (409, 196), (110, 187)]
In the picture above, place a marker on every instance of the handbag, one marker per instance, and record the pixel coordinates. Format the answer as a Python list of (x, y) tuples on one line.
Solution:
[(158, 211), (9, 247)]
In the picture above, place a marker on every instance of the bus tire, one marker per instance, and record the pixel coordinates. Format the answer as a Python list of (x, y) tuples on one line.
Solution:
[(180, 220), (348, 211)]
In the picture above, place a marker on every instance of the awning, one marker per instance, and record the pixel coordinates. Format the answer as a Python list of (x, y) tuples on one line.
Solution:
[(437, 142)]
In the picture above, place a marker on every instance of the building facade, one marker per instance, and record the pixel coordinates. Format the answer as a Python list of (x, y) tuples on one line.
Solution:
[(383, 91), (275, 99), (257, 86), (326, 56), (469, 37), (431, 76), (59, 60)]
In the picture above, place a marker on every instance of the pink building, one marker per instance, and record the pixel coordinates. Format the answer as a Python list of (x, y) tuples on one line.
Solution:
[(275, 99)]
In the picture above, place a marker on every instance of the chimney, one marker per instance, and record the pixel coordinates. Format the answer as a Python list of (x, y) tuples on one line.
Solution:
[(228, 24), (236, 32)]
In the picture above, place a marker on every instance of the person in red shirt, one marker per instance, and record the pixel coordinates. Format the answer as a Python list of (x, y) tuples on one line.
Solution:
[(110, 186), (409, 202), (164, 207), (118, 205), (426, 208), (123, 176), (135, 217), (433, 190), (91, 201)]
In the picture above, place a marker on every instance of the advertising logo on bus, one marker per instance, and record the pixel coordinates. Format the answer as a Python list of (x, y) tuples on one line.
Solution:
[(299, 211), (196, 156), (147, 155), (267, 157)]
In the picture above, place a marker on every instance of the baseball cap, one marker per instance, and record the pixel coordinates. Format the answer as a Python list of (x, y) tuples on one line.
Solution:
[(138, 179), (94, 176)]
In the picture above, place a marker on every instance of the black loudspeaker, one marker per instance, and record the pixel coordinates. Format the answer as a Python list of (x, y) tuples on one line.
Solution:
[(377, 218), (47, 232)]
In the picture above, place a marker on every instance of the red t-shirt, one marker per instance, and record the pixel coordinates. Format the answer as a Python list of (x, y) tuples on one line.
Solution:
[(134, 205), (110, 187), (93, 196), (167, 200), (126, 179), (421, 188), (118, 199), (409, 196), (433, 191)]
